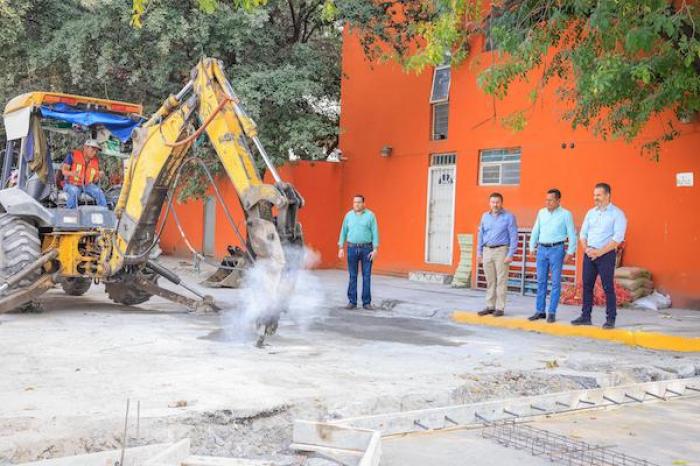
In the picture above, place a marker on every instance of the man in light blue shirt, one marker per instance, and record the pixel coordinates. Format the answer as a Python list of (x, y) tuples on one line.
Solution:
[(603, 230), (498, 240), (553, 226), (362, 235)]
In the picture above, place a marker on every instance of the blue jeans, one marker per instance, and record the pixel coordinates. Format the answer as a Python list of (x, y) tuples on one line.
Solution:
[(549, 260), (356, 256), (91, 189)]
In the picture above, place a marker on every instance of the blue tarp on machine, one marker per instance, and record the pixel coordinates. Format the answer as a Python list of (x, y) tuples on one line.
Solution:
[(120, 126)]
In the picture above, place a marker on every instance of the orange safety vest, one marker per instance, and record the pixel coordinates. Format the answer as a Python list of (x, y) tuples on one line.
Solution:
[(86, 171)]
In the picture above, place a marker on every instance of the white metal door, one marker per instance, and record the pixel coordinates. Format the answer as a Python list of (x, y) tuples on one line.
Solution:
[(440, 225)]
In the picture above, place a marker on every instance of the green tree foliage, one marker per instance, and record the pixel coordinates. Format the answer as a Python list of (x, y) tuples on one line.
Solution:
[(619, 64), (282, 58)]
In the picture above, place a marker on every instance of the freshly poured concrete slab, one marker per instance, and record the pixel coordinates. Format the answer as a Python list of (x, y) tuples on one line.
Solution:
[(663, 433), (456, 448)]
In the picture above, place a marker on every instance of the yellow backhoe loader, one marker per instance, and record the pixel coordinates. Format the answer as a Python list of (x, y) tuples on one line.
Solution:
[(43, 243)]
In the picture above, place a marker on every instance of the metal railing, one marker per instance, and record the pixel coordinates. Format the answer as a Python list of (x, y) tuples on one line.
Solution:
[(522, 273)]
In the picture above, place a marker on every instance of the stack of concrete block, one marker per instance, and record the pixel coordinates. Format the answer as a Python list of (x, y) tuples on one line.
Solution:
[(463, 275), (636, 280), (430, 277)]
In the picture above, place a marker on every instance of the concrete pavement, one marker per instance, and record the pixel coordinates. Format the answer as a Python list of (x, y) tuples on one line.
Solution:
[(398, 296), (68, 371)]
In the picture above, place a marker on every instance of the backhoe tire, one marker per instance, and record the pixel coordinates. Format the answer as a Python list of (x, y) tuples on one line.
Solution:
[(19, 246), (126, 292), (76, 286)]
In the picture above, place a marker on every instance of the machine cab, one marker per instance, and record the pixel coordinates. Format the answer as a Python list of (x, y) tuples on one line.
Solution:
[(42, 128)]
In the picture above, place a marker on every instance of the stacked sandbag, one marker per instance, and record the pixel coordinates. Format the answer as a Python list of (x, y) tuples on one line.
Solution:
[(636, 280)]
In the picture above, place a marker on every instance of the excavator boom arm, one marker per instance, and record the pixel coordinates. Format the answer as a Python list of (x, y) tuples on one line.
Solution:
[(206, 105)]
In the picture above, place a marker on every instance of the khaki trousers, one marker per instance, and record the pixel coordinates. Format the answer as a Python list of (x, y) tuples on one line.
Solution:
[(496, 277)]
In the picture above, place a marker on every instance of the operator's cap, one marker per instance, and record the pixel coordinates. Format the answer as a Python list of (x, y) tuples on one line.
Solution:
[(93, 143)]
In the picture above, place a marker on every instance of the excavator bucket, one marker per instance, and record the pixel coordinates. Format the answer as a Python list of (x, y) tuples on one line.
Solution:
[(230, 272)]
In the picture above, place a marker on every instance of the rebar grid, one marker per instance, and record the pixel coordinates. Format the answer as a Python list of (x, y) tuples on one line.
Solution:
[(557, 448)]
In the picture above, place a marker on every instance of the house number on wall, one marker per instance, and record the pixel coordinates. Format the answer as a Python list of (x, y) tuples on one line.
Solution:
[(445, 178)]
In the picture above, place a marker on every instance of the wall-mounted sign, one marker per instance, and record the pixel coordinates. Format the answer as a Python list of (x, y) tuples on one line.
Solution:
[(684, 179)]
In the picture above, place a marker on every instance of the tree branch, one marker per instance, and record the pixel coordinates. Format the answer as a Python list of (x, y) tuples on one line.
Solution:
[(292, 12), (307, 18)]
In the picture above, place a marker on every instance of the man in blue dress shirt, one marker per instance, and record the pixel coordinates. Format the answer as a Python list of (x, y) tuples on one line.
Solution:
[(603, 230), (554, 225), (498, 240)]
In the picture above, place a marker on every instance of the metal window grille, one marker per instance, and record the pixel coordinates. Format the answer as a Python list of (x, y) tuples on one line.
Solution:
[(440, 120), (522, 273), (443, 159), (499, 166)]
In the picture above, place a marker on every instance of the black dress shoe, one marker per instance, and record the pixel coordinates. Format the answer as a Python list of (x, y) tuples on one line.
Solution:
[(551, 318), (581, 321), (537, 316), (350, 306), (609, 325), (485, 312), (497, 313)]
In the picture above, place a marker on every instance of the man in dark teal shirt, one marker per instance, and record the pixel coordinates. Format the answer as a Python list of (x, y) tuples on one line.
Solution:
[(362, 235)]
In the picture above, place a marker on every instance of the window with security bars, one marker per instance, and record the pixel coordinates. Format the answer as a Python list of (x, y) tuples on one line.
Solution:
[(442, 159), (440, 121), (499, 166)]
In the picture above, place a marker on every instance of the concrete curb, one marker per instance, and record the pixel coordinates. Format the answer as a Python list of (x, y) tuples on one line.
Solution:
[(651, 340), (522, 408)]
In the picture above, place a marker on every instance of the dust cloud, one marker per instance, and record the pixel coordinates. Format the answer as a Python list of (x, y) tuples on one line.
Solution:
[(270, 291)]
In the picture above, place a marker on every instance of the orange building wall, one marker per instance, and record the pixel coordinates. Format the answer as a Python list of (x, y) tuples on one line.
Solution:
[(318, 183), (191, 215), (382, 105)]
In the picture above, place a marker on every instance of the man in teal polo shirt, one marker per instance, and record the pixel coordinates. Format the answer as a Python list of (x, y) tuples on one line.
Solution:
[(554, 225), (362, 235)]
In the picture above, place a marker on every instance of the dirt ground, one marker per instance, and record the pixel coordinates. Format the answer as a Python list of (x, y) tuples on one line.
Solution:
[(67, 372)]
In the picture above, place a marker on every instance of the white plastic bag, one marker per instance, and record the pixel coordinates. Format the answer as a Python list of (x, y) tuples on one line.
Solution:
[(654, 302), (663, 300)]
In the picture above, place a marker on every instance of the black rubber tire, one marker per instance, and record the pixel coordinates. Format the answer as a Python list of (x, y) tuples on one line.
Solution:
[(77, 286), (19, 246), (126, 292)]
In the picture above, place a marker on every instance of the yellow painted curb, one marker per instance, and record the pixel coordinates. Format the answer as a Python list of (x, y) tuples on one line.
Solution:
[(651, 340)]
